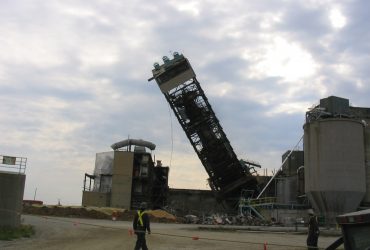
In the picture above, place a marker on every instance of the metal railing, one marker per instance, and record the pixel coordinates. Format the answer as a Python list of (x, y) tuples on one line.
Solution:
[(13, 163)]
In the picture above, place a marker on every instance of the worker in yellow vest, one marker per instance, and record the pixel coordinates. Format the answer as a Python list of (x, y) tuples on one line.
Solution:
[(141, 225)]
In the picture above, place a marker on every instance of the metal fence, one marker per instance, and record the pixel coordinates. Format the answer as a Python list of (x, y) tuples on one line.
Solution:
[(13, 163)]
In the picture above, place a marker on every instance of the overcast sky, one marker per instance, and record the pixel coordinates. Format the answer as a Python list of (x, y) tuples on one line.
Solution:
[(73, 78)]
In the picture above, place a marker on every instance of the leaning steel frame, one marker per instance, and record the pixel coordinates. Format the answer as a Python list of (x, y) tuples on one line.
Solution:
[(227, 175)]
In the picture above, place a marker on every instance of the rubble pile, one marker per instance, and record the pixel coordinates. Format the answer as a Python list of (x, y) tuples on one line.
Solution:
[(161, 216), (68, 211), (96, 213), (223, 219), (120, 214)]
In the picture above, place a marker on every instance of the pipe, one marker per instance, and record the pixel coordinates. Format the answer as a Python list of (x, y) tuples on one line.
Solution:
[(129, 142), (299, 169)]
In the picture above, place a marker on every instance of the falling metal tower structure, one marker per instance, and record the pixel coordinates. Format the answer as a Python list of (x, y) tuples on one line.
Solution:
[(228, 176)]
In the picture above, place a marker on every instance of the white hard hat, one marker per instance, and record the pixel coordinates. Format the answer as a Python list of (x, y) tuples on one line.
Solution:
[(310, 211)]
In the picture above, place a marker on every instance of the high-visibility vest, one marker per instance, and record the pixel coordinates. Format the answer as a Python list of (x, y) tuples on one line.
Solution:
[(140, 217)]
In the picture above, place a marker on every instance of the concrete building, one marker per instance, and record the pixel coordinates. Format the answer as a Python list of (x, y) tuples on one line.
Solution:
[(284, 201), (288, 183), (12, 181), (125, 178), (191, 201), (336, 156)]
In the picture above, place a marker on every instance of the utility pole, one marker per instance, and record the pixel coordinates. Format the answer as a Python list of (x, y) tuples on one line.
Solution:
[(34, 196)]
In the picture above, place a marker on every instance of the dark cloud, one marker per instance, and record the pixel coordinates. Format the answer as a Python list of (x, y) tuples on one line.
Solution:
[(303, 22), (354, 36)]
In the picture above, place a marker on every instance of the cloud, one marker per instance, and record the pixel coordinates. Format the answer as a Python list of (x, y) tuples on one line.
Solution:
[(282, 59), (337, 19), (73, 78)]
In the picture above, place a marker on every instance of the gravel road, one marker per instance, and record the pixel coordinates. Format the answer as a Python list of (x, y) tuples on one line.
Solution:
[(75, 233)]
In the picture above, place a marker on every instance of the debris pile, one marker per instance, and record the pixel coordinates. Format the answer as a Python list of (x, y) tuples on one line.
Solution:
[(96, 213), (120, 214), (162, 216), (68, 211), (224, 219)]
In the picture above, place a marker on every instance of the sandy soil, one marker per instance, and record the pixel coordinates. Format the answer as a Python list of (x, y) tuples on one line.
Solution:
[(67, 233)]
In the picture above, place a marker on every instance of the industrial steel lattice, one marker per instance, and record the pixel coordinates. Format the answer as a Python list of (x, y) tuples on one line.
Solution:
[(227, 175)]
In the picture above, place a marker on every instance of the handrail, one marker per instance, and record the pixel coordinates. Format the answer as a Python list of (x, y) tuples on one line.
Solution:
[(13, 163)]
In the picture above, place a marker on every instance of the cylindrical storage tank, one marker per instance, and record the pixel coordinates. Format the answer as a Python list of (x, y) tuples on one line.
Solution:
[(287, 190), (11, 198), (334, 165), (367, 157)]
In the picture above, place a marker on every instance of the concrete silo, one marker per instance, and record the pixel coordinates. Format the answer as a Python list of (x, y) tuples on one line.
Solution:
[(366, 200), (12, 184), (334, 156)]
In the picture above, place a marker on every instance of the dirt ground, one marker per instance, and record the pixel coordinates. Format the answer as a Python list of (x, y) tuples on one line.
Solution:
[(68, 233)]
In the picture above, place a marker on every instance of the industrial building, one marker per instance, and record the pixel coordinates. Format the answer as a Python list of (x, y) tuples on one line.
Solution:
[(336, 157), (125, 177), (290, 181), (12, 182), (331, 174)]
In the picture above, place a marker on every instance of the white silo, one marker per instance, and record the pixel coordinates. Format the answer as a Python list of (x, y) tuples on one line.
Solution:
[(334, 156)]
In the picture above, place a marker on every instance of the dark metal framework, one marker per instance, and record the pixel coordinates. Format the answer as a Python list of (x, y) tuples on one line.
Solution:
[(227, 175), (160, 187), (91, 177)]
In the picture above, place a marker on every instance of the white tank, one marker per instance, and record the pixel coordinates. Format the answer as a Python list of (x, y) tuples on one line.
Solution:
[(334, 157)]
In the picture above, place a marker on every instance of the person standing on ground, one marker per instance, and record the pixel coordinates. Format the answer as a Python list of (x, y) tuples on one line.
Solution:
[(141, 224), (313, 231)]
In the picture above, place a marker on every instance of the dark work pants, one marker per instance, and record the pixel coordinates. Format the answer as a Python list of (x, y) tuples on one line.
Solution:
[(141, 242), (312, 241)]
